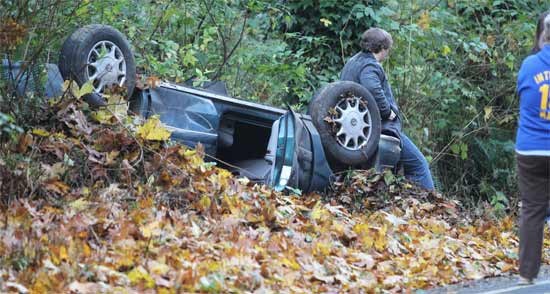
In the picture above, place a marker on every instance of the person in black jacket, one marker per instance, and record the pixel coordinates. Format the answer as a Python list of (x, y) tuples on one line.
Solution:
[(365, 68)]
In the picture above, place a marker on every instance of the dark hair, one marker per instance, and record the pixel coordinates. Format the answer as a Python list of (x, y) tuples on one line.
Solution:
[(538, 33), (546, 33), (375, 39)]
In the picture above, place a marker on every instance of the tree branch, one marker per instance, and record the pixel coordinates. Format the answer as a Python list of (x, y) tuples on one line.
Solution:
[(157, 25), (228, 56)]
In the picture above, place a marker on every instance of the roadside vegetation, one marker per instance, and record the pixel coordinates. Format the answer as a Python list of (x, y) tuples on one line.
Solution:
[(453, 67), (95, 200), (97, 203)]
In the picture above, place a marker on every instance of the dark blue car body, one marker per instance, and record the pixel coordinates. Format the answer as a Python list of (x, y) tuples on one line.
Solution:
[(266, 144)]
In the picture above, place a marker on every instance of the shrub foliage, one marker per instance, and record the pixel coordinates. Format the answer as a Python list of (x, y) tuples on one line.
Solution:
[(453, 66)]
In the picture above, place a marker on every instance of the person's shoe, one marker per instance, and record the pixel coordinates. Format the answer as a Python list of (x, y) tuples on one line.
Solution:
[(524, 281)]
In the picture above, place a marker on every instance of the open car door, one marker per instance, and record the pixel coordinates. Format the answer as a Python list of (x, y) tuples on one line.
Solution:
[(296, 155)]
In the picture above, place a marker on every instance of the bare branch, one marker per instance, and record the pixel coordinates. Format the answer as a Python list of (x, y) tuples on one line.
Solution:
[(228, 56)]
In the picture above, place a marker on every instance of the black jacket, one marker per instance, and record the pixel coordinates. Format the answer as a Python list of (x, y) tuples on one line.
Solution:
[(363, 68)]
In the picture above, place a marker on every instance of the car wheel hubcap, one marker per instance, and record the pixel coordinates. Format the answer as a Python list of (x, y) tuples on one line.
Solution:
[(353, 123), (106, 66)]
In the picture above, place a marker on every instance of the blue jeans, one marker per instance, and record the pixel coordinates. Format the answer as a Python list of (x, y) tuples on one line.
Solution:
[(415, 164)]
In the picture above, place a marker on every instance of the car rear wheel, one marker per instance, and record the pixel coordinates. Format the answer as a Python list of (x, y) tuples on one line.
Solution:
[(99, 54), (348, 121)]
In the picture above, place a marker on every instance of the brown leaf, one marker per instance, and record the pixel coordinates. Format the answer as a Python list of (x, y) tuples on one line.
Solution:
[(56, 186), (153, 82), (25, 140)]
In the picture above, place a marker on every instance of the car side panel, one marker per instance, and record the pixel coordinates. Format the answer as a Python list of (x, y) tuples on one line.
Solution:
[(192, 119)]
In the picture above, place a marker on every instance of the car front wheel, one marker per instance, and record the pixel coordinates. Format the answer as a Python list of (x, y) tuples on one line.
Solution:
[(99, 54), (348, 121)]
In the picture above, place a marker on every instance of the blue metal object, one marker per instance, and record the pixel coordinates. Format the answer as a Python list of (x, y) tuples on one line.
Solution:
[(320, 172), (30, 80), (285, 152), (389, 153), (191, 118)]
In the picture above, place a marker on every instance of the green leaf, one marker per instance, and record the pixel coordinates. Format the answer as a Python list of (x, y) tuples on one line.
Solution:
[(189, 58), (455, 148), (389, 178), (463, 151), (87, 88)]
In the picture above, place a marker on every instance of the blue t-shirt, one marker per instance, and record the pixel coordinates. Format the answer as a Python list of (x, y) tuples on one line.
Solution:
[(533, 137)]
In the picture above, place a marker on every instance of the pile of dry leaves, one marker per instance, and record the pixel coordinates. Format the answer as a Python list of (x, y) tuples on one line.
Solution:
[(97, 202)]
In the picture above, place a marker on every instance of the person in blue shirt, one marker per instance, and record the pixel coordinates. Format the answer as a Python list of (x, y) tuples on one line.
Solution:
[(365, 68), (533, 154)]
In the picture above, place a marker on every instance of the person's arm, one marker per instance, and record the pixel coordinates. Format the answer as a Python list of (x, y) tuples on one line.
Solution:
[(369, 79)]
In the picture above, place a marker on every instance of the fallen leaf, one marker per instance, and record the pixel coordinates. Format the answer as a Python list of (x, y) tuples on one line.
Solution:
[(153, 130)]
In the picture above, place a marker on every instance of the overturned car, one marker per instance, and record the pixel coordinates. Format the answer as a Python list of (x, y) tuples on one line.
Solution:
[(266, 144)]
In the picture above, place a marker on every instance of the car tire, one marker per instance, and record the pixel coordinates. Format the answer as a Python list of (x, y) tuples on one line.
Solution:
[(348, 121), (99, 53)]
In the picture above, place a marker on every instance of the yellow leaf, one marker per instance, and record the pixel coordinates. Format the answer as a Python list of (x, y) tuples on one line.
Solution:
[(205, 202), (55, 257), (79, 204), (102, 116), (151, 229), (368, 241), (165, 291), (63, 253), (87, 88), (125, 261), (40, 132), (159, 268), (488, 111), (381, 239), (140, 275), (153, 130), (326, 22), (231, 203), (445, 50), (117, 105), (436, 226), (290, 263), (111, 156), (361, 228), (42, 283), (317, 211), (223, 177), (86, 250), (338, 228), (71, 86), (380, 243), (322, 248), (187, 152), (424, 21)]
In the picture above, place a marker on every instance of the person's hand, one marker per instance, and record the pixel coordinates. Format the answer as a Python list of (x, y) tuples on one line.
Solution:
[(392, 115)]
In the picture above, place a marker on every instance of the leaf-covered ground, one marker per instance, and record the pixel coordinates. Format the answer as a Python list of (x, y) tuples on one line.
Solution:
[(93, 202)]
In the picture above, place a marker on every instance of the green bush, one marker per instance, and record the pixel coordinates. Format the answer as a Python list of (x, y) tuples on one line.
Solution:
[(453, 66)]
